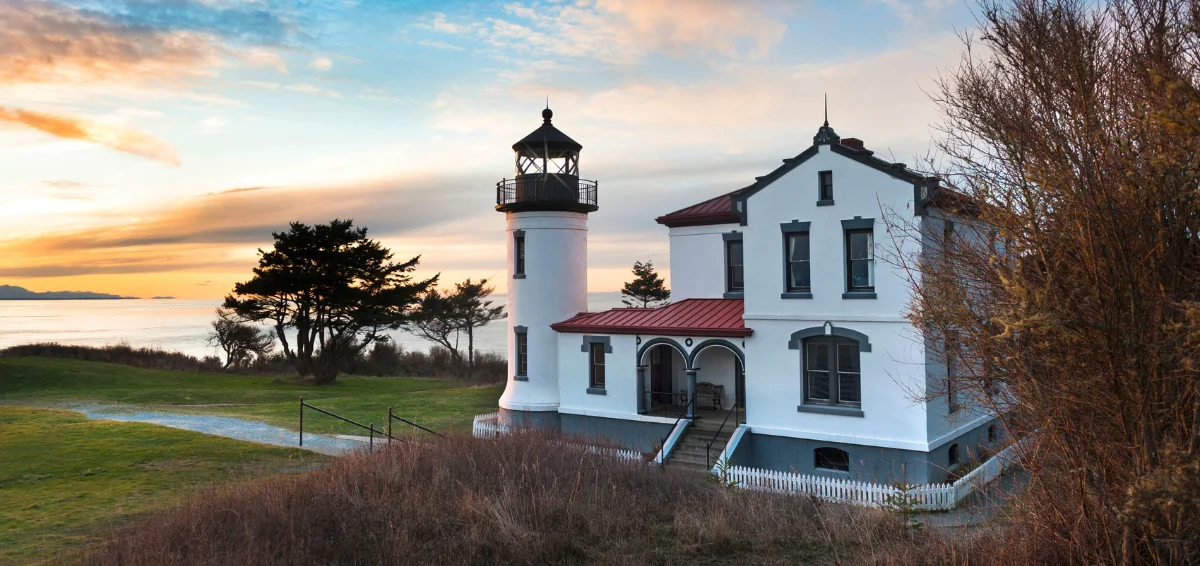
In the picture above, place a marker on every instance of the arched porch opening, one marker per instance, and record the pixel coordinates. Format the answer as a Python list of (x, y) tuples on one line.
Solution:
[(662, 366), (720, 380)]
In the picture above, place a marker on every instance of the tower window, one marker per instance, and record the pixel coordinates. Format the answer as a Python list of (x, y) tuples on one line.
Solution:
[(860, 260), (832, 372), (522, 353), (734, 272), (519, 254), (829, 458), (798, 269), (825, 186), (596, 361)]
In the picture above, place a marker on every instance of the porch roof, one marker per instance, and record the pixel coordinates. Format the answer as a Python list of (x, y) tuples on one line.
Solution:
[(689, 317)]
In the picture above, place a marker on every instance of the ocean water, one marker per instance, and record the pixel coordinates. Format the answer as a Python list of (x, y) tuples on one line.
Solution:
[(179, 325)]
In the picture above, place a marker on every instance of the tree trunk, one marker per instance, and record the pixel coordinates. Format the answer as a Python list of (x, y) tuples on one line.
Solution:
[(470, 351)]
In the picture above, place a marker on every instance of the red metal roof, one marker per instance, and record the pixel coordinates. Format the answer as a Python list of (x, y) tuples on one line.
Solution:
[(689, 317), (717, 210)]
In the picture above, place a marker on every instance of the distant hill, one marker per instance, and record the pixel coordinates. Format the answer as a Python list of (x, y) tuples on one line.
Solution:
[(14, 293), (163, 297)]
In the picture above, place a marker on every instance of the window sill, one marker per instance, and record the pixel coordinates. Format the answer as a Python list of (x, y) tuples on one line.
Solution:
[(795, 295), (825, 202), (596, 391), (520, 378), (518, 276), (735, 295), (832, 472), (859, 295), (824, 410)]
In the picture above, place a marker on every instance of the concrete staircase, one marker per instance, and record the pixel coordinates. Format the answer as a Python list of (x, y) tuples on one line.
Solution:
[(689, 451)]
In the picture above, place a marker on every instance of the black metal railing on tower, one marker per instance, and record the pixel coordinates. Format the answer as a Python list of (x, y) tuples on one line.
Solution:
[(539, 190)]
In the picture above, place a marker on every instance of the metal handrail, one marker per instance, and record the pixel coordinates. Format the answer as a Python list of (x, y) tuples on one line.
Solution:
[(683, 414), (404, 420), (708, 447), (370, 427)]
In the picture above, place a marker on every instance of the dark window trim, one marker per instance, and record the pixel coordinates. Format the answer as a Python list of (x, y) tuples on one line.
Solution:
[(518, 254), (857, 225), (797, 338), (521, 331), (834, 402), (821, 200), (789, 292), (586, 347), (730, 291)]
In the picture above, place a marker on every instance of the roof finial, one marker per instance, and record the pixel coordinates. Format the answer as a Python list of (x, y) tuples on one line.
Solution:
[(547, 101), (826, 109)]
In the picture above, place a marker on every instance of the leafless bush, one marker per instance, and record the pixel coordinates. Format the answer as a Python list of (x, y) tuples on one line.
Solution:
[(515, 500), (1071, 303)]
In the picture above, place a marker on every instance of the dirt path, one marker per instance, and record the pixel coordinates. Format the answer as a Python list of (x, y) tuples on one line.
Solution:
[(228, 427)]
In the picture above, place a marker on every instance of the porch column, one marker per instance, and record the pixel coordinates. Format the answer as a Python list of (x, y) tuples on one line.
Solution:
[(691, 391), (641, 390)]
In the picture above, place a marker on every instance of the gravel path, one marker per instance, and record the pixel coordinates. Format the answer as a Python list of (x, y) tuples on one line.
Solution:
[(229, 427)]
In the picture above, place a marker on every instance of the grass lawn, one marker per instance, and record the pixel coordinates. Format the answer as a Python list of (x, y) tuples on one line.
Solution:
[(66, 480), (436, 403)]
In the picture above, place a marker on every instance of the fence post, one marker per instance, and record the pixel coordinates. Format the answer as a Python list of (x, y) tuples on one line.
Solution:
[(301, 420), (371, 427), (389, 427)]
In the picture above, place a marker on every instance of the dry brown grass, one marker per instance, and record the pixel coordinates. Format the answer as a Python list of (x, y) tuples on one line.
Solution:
[(519, 499)]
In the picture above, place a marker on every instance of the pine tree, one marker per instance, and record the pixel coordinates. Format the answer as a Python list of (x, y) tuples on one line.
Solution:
[(647, 289)]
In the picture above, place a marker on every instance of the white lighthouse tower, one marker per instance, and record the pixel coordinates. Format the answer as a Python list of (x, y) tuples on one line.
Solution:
[(546, 207)]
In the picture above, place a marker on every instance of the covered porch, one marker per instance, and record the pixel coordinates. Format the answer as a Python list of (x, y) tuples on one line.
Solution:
[(689, 357)]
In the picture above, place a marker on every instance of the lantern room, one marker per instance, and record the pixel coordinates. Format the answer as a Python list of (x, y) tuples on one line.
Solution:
[(547, 174)]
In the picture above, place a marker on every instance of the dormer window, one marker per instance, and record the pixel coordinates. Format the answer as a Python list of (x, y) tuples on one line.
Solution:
[(825, 188)]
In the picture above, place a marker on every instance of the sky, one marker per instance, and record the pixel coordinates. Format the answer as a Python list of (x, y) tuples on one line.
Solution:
[(151, 148)]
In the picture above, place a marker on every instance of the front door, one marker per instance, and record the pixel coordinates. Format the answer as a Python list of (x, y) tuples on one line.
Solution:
[(660, 375)]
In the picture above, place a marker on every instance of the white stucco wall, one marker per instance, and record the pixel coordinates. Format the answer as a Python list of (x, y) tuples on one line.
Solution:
[(893, 373), (554, 289), (698, 261), (620, 396)]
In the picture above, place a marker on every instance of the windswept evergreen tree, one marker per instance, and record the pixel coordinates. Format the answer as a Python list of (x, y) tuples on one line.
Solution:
[(647, 289)]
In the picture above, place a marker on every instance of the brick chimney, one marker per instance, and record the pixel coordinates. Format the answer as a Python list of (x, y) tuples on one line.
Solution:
[(853, 143)]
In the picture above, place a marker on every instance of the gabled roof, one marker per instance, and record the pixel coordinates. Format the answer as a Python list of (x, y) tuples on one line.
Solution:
[(717, 210), (689, 317), (725, 209)]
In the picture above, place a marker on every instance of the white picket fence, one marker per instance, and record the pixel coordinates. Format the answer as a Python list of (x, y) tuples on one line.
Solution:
[(488, 426), (933, 497)]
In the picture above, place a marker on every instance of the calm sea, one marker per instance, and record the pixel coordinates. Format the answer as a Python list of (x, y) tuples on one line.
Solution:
[(179, 325)]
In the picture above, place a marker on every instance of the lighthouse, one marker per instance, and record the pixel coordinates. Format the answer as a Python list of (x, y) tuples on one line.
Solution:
[(546, 209)]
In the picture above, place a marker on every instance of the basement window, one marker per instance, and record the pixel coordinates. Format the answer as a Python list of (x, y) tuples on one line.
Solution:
[(829, 458)]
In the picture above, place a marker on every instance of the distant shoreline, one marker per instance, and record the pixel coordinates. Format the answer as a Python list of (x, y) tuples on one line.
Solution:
[(70, 298)]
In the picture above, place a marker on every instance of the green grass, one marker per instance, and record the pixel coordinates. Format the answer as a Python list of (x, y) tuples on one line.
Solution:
[(436, 403), (66, 480)]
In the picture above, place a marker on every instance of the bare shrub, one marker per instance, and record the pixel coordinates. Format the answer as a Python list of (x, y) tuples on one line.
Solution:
[(148, 358), (519, 499), (1073, 137)]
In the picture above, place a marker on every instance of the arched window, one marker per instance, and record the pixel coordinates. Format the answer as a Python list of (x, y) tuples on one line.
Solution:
[(992, 434), (832, 371), (829, 458), (953, 455)]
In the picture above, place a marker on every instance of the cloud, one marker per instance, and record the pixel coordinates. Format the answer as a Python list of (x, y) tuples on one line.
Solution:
[(44, 42), (220, 230), (262, 58), (310, 89), (321, 64), (626, 31), (117, 137)]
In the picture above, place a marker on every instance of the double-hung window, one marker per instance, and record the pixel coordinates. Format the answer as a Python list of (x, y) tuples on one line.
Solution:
[(799, 270), (832, 374), (824, 188), (596, 361), (735, 275), (860, 260)]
